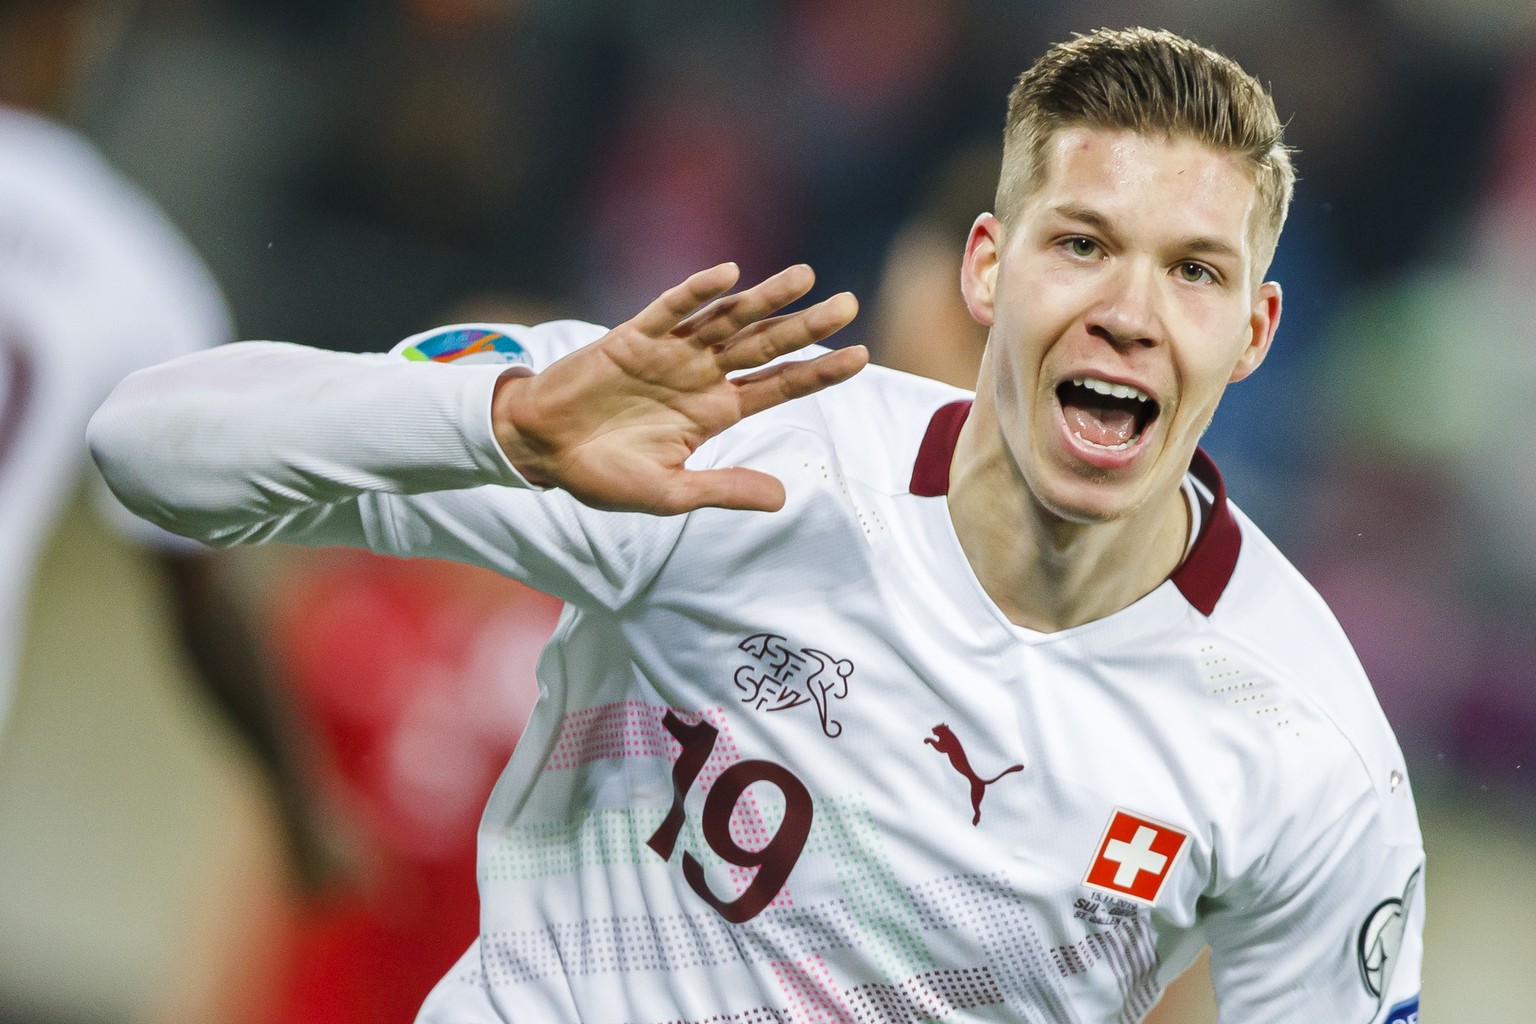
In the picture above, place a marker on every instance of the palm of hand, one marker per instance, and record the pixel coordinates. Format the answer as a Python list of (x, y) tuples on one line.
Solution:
[(614, 423)]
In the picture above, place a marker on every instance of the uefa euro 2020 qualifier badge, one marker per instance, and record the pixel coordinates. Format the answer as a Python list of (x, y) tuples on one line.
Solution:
[(465, 346)]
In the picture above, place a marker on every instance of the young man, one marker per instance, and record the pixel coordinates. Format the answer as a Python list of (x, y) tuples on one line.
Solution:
[(1003, 713)]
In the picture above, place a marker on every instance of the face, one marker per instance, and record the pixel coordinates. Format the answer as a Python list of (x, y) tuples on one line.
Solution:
[(1122, 301)]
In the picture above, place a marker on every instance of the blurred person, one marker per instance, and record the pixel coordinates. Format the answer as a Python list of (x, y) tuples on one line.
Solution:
[(920, 322), (1006, 708), (94, 283)]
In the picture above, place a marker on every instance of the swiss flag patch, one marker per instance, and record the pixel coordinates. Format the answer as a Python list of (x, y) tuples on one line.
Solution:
[(1135, 856)]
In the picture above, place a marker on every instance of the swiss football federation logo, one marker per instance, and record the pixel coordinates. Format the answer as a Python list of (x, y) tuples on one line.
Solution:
[(1136, 856), (783, 676)]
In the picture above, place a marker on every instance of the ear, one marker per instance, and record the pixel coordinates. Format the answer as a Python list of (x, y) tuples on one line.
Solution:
[(978, 271), (1263, 320)]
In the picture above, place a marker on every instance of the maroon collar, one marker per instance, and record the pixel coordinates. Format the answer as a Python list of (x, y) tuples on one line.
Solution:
[(1205, 573)]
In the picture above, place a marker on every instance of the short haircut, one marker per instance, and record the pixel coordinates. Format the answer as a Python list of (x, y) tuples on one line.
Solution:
[(1152, 83)]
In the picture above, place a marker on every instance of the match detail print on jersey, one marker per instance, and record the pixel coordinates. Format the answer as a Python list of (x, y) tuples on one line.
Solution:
[(1135, 857), (1381, 939), (947, 743)]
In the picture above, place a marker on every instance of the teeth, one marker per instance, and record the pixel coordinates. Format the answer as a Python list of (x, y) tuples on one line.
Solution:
[(1122, 446), (1104, 387)]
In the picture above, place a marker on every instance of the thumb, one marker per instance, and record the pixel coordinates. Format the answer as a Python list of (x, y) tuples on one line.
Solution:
[(745, 489)]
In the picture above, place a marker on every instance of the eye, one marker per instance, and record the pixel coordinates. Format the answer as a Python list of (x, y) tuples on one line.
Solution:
[(1194, 273), (1082, 248)]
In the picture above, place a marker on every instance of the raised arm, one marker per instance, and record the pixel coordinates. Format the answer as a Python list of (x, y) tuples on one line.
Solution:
[(266, 440)]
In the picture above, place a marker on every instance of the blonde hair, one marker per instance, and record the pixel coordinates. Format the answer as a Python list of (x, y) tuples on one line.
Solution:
[(1152, 83)]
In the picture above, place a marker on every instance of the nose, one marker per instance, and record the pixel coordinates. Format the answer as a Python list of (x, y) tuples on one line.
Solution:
[(1127, 313)]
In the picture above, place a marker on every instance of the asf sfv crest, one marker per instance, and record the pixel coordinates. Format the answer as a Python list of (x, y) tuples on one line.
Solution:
[(782, 676)]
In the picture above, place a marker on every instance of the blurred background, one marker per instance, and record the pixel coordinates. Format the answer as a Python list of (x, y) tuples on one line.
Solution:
[(353, 172)]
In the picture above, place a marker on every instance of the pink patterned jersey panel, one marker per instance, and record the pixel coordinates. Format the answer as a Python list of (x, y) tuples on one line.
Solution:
[(625, 729)]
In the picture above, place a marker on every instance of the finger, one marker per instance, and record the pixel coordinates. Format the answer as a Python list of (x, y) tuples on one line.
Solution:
[(726, 317), (767, 340), (669, 309), (736, 488), (798, 378)]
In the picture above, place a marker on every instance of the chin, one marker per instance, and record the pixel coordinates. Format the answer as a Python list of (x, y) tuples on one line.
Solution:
[(1089, 502)]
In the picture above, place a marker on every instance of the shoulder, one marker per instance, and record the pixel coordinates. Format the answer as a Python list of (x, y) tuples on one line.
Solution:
[(1271, 609), (1282, 632), (871, 428)]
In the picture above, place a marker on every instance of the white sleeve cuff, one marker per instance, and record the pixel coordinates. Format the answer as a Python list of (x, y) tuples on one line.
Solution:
[(480, 430)]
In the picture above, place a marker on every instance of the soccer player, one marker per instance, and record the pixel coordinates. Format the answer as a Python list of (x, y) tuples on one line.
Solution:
[(875, 700), (95, 282)]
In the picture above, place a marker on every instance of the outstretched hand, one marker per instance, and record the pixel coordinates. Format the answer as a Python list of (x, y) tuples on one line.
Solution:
[(613, 423)]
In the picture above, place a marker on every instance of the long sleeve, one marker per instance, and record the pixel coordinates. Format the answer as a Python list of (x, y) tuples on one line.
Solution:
[(243, 442), (268, 441)]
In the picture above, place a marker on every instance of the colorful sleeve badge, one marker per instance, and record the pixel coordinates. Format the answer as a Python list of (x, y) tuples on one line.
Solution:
[(465, 345)]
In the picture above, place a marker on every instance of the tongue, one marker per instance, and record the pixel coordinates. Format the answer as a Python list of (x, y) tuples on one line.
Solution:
[(1103, 426)]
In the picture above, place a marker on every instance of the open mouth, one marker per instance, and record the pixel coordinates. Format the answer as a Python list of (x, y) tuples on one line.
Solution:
[(1105, 415)]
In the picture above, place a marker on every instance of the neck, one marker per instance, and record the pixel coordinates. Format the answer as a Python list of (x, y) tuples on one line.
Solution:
[(1045, 572)]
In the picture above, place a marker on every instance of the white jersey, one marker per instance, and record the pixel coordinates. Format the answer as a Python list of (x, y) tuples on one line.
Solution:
[(93, 285), (798, 767)]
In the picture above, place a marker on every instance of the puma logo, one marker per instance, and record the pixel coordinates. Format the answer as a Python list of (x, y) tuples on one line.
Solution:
[(947, 743)]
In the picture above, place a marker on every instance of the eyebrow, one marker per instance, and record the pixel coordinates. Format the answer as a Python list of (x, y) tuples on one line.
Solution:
[(1211, 247), (1083, 215), (1199, 244)]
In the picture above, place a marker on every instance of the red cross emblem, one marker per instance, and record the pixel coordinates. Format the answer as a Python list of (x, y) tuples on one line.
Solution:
[(1135, 856)]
